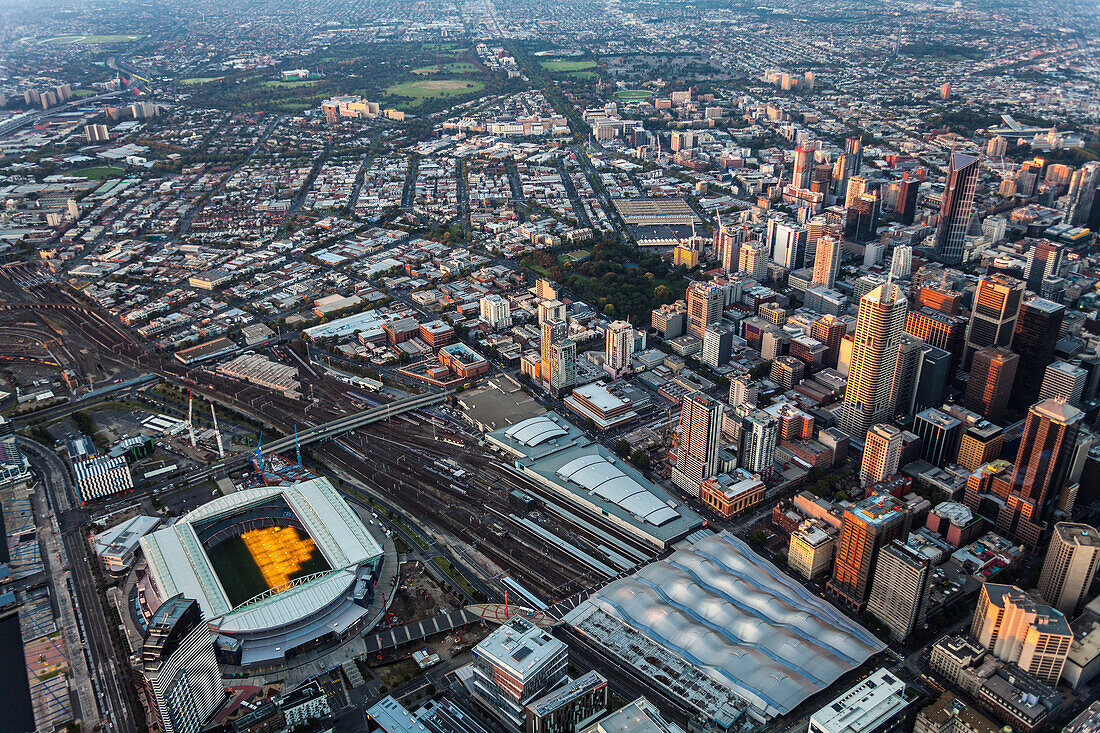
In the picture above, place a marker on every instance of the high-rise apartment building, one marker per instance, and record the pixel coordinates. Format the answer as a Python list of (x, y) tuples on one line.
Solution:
[(697, 453), (1014, 628), (182, 678), (1038, 329), (857, 186), (1044, 260), (848, 164), (1070, 567), (989, 387), (1062, 380), (727, 244), (704, 306), (993, 319), (826, 262), (13, 466), (551, 331), (551, 310), (546, 289), (881, 453), (957, 207), (1082, 192), (867, 527), (563, 365), (1039, 474), (753, 259), (901, 261), (495, 311), (743, 391), (899, 589), (803, 165), (619, 346), (756, 442), (879, 325), (515, 665)]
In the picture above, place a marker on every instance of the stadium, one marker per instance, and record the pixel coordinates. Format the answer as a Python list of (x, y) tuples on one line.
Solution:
[(276, 570)]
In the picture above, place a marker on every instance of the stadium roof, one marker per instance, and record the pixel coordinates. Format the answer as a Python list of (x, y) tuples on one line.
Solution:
[(180, 564), (727, 619)]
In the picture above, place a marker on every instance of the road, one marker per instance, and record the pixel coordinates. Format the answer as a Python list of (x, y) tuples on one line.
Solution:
[(92, 619)]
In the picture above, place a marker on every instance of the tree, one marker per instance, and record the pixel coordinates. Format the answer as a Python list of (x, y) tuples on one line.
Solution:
[(622, 447), (758, 537), (640, 459)]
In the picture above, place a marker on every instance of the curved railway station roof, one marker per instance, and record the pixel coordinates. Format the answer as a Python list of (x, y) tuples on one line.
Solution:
[(739, 621)]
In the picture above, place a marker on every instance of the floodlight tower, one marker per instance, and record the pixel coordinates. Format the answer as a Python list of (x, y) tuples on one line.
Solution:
[(217, 432)]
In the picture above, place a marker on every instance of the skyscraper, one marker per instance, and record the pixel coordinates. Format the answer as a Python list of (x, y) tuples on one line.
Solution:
[(619, 346), (848, 164), (826, 262), (1062, 380), (1014, 628), (939, 329), (743, 391), (1044, 260), (901, 261), (879, 325), (754, 259), (563, 365), (1070, 567), (182, 678), (697, 453), (788, 243), (704, 305), (899, 589), (727, 244), (861, 222), (13, 466), (1037, 333), (551, 331), (940, 435), (1042, 464), (990, 384), (829, 330), (1082, 192), (957, 207), (803, 166), (867, 527), (881, 453), (906, 208), (993, 320), (981, 444)]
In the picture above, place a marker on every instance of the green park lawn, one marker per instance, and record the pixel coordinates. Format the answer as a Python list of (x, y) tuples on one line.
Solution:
[(99, 172), (566, 65)]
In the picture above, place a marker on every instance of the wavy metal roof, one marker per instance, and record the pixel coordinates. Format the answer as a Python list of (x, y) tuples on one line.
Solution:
[(737, 618)]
